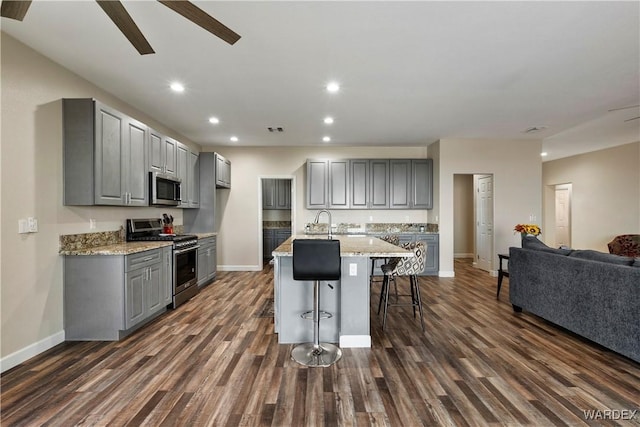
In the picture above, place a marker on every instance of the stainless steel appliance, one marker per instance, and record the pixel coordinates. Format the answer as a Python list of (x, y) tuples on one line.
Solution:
[(164, 190), (185, 255)]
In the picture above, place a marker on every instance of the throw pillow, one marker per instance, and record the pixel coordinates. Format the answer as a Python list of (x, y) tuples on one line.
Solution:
[(592, 255)]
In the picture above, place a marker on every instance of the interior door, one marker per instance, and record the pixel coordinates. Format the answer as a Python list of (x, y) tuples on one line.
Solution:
[(484, 222), (563, 215)]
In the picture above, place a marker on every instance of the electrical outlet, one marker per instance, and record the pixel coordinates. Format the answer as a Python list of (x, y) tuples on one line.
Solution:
[(92, 224), (32, 224), (353, 269), (23, 226)]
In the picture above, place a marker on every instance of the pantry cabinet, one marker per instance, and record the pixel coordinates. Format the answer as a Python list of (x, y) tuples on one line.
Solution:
[(105, 155), (276, 194)]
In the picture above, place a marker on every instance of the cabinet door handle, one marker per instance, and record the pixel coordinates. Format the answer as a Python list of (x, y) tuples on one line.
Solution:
[(149, 258)]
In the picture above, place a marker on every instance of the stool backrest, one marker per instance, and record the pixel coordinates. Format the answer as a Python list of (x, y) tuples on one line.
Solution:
[(316, 259), (415, 264), (394, 239)]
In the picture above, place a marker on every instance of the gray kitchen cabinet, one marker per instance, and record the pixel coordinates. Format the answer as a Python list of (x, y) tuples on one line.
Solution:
[(108, 296), (431, 242), (207, 262), (162, 153), (194, 180), (223, 172), (328, 184), (105, 155), (399, 184), (422, 184), (272, 238), (276, 194), (369, 184), (203, 219), (317, 184)]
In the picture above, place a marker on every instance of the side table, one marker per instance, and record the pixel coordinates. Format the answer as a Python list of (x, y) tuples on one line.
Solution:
[(502, 272)]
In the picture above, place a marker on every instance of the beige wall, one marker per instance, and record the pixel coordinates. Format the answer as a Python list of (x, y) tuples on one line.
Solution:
[(31, 185), (605, 195), (463, 211), (517, 173), (238, 210)]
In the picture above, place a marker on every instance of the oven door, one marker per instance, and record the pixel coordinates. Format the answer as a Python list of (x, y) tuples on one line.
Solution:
[(185, 268)]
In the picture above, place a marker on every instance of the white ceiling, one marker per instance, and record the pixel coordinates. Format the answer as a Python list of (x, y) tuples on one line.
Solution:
[(411, 72)]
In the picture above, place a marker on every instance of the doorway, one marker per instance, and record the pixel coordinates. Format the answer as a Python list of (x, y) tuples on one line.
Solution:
[(276, 218), (563, 215)]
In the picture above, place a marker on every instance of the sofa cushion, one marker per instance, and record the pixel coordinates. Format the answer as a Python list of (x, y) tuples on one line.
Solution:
[(592, 255), (532, 242), (636, 263)]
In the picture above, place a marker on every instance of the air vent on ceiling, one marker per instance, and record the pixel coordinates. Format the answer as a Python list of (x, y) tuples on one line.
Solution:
[(275, 129), (534, 129)]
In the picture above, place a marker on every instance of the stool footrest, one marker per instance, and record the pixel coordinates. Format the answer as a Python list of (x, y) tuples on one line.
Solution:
[(308, 315), (322, 356)]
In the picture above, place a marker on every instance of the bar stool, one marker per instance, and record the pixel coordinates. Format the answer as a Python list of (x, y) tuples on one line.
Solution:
[(316, 259), (405, 267), (394, 239)]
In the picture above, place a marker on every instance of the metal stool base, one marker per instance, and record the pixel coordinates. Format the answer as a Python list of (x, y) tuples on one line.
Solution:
[(323, 356)]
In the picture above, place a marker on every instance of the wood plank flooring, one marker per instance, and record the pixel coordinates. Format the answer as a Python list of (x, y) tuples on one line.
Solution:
[(215, 361)]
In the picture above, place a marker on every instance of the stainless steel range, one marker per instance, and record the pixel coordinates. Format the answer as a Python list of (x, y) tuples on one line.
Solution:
[(185, 255)]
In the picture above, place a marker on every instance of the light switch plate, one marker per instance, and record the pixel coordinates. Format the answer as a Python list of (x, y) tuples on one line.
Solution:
[(353, 269)]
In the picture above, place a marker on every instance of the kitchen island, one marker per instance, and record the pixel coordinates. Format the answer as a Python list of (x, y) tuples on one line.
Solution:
[(348, 300)]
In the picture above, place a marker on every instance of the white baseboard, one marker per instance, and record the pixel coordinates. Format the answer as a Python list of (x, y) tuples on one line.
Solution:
[(16, 358), (443, 273), (462, 255), (353, 341), (240, 268)]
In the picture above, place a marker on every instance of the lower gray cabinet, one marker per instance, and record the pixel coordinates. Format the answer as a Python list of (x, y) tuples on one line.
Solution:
[(167, 275), (107, 296), (272, 238), (207, 262)]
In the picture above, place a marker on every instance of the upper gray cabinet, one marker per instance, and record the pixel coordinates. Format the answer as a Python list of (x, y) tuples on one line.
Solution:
[(276, 194), (194, 180), (188, 170), (223, 172), (328, 184), (370, 184), (162, 153), (105, 155)]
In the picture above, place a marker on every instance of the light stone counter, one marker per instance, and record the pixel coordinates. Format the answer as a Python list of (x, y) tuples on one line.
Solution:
[(204, 235), (350, 246), (123, 248)]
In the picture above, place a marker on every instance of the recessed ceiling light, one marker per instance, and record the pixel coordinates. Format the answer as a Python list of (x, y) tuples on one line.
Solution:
[(177, 87), (234, 139), (543, 154), (333, 87), (214, 120), (328, 120), (326, 139)]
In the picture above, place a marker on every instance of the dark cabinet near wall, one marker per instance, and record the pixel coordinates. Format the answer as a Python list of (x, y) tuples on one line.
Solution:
[(370, 184), (276, 194)]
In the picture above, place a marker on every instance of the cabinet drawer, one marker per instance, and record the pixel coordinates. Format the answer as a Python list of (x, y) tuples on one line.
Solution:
[(207, 242), (142, 259)]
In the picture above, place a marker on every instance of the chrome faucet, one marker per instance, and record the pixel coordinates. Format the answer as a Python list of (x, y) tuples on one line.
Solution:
[(315, 221)]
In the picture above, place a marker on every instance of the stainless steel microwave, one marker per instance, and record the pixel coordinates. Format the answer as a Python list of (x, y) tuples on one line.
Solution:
[(164, 190)]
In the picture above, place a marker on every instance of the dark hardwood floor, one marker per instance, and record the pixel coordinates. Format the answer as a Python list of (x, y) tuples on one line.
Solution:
[(216, 361)]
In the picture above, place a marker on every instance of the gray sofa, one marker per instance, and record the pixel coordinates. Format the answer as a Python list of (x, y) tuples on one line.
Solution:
[(593, 294)]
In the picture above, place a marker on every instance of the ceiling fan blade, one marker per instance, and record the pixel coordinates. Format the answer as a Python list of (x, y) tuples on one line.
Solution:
[(119, 15), (14, 9), (624, 108), (633, 118), (199, 17)]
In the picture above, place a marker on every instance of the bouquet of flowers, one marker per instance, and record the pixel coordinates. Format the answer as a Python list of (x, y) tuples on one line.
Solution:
[(525, 229)]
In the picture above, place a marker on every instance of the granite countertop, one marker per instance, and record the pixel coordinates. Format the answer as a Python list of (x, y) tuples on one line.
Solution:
[(351, 245), (122, 248), (205, 235), (368, 233)]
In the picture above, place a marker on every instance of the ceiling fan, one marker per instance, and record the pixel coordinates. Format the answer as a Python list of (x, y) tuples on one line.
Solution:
[(624, 108), (17, 9)]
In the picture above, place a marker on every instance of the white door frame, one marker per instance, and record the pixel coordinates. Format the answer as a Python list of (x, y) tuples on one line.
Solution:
[(293, 209)]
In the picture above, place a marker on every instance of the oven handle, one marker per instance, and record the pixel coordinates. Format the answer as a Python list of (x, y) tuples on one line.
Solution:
[(182, 251)]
